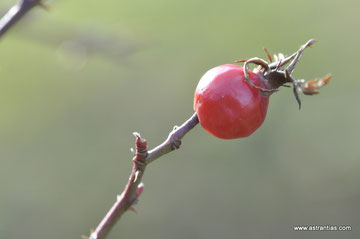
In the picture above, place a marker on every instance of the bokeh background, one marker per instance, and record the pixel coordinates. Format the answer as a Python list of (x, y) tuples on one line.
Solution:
[(75, 82)]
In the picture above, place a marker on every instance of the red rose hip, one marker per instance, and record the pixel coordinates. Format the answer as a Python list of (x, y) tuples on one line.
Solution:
[(231, 101), (227, 106)]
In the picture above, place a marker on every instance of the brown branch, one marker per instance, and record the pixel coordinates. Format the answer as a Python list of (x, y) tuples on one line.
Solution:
[(134, 187), (17, 12)]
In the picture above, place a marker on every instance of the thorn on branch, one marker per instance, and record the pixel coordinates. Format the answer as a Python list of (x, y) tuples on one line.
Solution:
[(140, 189), (119, 197), (137, 175), (132, 208), (86, 237)]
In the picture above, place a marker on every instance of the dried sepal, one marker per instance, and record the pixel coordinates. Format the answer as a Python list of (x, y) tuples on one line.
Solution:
[(277, 74), (268, 55), (312, 87), (240, 61)]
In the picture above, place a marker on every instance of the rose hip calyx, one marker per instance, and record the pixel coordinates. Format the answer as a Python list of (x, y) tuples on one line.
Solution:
[(275, 75)]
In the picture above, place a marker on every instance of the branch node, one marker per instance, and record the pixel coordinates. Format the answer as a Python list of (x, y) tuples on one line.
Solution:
[(175, 144), (174, 139), (138, 162), (141, 150)]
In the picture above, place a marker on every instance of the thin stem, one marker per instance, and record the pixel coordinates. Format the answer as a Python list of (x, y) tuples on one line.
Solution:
[(141, 160), (123, 203), (173, 140), (15, 13)]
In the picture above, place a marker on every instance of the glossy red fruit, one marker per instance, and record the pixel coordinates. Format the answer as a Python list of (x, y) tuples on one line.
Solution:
[(227, 106)]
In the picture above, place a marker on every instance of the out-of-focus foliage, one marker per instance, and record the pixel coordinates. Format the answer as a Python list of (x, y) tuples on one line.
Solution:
[(76, 82)]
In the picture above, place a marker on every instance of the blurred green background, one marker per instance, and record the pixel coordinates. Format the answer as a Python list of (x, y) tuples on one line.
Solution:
[(77, 81)]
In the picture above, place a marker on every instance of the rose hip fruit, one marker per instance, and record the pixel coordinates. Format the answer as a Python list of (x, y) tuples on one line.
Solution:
[(227, 105), (231, 101)]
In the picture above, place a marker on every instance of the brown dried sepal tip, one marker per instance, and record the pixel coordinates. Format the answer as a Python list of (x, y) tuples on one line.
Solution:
[(311, 87)]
